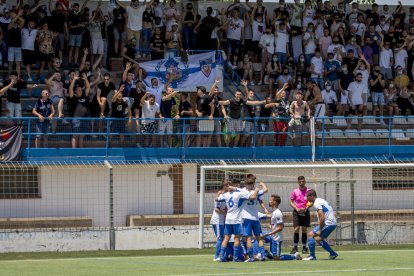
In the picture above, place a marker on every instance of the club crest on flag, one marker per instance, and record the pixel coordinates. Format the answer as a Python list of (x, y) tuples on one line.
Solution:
[(171, 69), (205, 66)]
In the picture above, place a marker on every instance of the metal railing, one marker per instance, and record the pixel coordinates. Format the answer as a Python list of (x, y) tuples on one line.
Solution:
[(317, 136)]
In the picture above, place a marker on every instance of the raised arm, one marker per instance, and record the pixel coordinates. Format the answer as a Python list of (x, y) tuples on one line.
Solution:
[(215, 84), (142, 101), (123, 6), (87, 84), (49, 80), (4, 89), (127, 68), (72, 84), (83, 61), (244, 83), (97, 63), (117, 93)]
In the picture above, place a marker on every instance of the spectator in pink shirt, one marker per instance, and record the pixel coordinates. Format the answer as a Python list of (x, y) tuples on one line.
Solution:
[(301, 215)]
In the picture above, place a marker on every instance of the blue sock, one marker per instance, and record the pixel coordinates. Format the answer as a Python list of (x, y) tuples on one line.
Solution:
[(223, 253), (287, 257), (262, 251), (327, 247), (236, 252), (218, 248), (312, 245), (255, 247), (250, 252), (243, 246)]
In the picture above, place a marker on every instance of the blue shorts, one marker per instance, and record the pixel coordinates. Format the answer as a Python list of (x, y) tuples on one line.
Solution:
[(42, 127), (218, 231), (276, 247), (326, 231), (75, 40), (377, 98), (252, 227), (14, 54), (233, 229), (233, 46)]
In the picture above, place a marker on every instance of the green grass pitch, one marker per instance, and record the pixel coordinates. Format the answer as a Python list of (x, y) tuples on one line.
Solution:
[(353, 260)]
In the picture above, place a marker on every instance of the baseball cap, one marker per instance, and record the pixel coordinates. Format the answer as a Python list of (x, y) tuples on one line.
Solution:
[(202, 88)]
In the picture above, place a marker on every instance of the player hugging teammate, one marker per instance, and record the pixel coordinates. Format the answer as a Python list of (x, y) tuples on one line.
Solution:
[(237, 226)]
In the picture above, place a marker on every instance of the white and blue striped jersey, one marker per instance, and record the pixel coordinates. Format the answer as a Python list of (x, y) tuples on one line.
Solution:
[(234, 201), (328, 212), (251, 206), (216, 218)]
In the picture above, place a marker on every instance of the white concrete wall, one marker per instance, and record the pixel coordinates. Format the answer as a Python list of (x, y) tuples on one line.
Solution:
[(139, 191), (56, 241), (156, 237), (65, 192)]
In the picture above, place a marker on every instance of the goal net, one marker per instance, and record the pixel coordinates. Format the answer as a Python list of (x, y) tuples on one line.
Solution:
[(373, 202)]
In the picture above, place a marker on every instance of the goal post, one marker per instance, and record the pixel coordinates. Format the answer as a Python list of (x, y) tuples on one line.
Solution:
[(372, 200)]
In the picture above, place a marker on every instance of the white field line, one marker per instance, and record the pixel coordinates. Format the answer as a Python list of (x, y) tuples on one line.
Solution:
[(304, 271), (180, 256)]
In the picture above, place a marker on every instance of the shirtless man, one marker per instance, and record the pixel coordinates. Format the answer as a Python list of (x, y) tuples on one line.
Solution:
[(317, 102), (300, 112), (173, 40)]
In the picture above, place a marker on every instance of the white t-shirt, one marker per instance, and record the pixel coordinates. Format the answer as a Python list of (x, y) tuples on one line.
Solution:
[(216, 218), (344, 97), (234, 29), (339, 48), (380, 28), (329, 97), (318, 64), (135, 17), (157, 92), (258, 29), (251, 207), (311, 46), (28, 39), (269, 41), (400, 59), (360, 28), (357, 90), (308, 16), (385, 58), (281, 42), (149, 111), (353, 17), (329, 214), (387, 15), (365, 76), (234, 203), (275, 220)]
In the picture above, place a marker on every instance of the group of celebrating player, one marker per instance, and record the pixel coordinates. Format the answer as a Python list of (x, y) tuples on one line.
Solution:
[(236, 222)]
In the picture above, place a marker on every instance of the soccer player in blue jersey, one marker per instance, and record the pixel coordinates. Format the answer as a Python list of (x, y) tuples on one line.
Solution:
[(327, 223), (250, 215), (233, 225), (217, 220)]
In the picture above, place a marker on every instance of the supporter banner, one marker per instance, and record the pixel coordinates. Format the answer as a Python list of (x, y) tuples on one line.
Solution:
[(199, 70), (10, 143)]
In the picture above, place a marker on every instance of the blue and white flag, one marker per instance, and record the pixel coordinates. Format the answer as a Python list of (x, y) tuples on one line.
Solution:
[(199, 70)]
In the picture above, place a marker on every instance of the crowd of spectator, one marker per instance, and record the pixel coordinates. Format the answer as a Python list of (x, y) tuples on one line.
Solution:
[(315, 59)]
